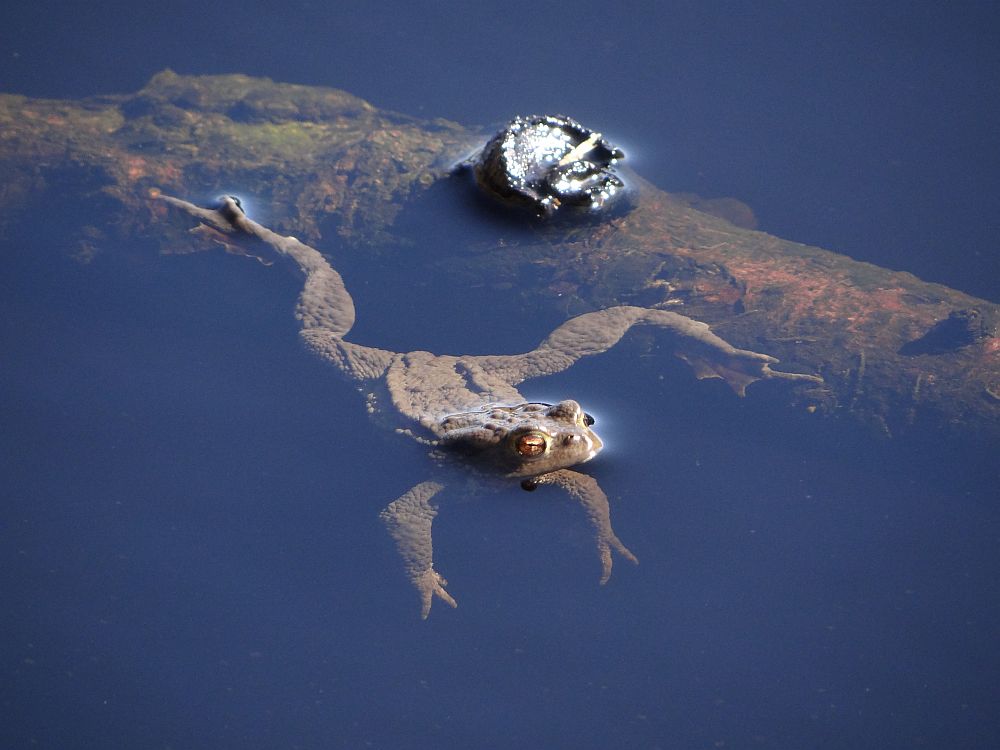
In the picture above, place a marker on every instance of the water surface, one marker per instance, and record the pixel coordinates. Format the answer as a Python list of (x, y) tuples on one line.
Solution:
[(189, 539)]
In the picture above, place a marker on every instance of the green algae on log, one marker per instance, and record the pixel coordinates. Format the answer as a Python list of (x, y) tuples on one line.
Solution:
[(320, 158), (305, 152)]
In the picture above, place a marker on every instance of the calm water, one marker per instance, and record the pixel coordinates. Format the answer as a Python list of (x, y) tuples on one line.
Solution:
[(190, 554)]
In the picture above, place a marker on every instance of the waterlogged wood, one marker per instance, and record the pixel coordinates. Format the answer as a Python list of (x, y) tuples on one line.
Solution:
[(893, 350), (899, 353), (306, 153)]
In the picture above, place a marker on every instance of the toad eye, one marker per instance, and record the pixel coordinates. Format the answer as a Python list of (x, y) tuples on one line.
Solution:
[(530, 444), (587, 419)]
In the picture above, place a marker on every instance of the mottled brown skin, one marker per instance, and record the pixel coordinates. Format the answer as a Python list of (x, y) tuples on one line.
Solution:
[(468, 407)]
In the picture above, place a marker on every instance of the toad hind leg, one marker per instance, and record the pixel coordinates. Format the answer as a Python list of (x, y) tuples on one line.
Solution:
[(709, 355), (585, 489), (325, 304), (325, 307), (408, 520)]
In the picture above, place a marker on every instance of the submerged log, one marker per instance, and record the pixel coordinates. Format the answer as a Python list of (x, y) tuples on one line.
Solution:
[(897, 352)]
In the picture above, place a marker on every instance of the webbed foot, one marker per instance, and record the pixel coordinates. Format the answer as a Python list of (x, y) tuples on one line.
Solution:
[(740, 367)]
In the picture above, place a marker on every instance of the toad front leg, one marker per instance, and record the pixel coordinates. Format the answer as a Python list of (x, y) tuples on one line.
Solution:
[(409, 520), (586, 489)]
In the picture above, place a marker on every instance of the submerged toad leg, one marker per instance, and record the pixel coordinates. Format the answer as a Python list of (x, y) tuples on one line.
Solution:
[(409, 519), (324, 303), (325, 307), (592, 333), (586, 489)]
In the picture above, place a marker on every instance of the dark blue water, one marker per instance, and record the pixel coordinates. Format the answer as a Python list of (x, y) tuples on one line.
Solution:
[(190, 554)]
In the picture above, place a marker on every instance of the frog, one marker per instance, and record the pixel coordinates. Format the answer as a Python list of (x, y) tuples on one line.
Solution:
[(548, 163), (467, 408)]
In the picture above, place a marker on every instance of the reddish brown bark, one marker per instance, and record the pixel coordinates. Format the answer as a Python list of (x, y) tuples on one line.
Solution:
[(895, 351)]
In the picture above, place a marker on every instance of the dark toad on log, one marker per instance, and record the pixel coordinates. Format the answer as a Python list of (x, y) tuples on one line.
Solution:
[(547, 162), (468, 407)]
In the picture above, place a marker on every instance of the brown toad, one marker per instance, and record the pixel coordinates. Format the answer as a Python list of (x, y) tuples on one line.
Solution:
[(468, 407)]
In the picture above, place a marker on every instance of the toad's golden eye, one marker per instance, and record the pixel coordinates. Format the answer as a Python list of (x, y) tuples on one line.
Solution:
[(530, 444)]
